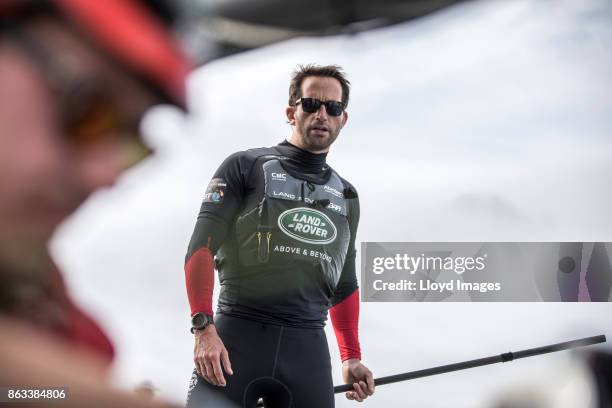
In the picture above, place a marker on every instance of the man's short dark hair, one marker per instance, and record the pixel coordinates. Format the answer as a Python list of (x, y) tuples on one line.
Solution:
[(304, 71)]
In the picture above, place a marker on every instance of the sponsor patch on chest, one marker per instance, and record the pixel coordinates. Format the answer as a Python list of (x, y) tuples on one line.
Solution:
[(307, 225)]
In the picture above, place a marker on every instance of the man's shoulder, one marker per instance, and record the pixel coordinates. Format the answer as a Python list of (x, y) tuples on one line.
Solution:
[(249, 156), (349, 190), (253, 154), (242, 162)]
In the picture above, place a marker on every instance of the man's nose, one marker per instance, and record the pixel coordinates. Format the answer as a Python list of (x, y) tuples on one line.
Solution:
[(321, 114)]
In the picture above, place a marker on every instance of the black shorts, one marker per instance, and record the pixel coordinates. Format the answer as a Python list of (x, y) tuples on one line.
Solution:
[(284, 366)]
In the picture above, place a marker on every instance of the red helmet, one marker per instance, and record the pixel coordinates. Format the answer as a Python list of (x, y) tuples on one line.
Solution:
[(131, 32)]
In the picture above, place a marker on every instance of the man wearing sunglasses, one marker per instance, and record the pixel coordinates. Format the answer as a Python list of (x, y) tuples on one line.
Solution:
[(76, 77), (279, 224)]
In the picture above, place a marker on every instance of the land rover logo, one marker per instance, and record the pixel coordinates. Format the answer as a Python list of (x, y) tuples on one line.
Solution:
[(307, 225)]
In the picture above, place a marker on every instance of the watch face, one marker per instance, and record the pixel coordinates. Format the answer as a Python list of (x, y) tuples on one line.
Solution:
[(199, 320)]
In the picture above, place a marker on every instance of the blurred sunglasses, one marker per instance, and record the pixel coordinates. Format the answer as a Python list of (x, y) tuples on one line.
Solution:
[(312, 105), (87, 112)]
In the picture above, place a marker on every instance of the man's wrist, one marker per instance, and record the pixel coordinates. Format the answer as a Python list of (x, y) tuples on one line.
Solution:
[(205, 331), (350, 361), (200, 321)]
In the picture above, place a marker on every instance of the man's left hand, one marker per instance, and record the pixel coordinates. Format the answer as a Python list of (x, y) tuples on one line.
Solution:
[(361, 377)]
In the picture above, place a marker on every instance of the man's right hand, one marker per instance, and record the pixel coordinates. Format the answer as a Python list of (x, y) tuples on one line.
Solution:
[(209, 354)]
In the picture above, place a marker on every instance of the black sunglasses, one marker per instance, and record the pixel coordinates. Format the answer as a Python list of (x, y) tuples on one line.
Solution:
[(311, 105)]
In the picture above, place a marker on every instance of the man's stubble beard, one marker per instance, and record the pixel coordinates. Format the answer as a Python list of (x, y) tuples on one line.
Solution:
[(313, 143)]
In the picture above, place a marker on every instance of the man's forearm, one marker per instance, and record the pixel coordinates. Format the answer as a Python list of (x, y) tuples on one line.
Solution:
[(345, 320), (200, 280)]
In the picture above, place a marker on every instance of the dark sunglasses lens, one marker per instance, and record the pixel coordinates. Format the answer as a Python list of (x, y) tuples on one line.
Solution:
[(98, 122), (310, 105), (333, 108), (90, 124)]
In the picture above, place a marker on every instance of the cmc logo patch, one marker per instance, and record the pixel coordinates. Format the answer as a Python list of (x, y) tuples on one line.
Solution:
[(307, 225)]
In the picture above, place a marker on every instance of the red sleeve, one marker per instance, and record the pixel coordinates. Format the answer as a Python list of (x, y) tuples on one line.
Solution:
[(81, 328), (85, 331), (345, 320), (200, 279)]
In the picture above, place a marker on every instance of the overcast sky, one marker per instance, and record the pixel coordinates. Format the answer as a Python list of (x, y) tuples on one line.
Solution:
[(491, 121)]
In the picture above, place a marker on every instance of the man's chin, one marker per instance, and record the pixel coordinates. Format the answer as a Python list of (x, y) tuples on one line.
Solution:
[(319, 142)]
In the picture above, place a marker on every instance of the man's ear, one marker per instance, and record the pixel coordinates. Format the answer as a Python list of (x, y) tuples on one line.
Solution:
[(344, 118), (290, 113)]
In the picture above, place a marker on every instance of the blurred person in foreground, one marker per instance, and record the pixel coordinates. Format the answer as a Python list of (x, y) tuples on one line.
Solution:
[(281, 226), (76, 77)]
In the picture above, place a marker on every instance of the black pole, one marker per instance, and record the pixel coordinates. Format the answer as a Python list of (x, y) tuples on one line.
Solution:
[(502, 358)]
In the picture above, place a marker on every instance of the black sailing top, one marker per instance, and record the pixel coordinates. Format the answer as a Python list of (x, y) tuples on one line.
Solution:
[(281, 224)]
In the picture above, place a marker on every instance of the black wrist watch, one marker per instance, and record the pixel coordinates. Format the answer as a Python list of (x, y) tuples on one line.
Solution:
[(200, 321)]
